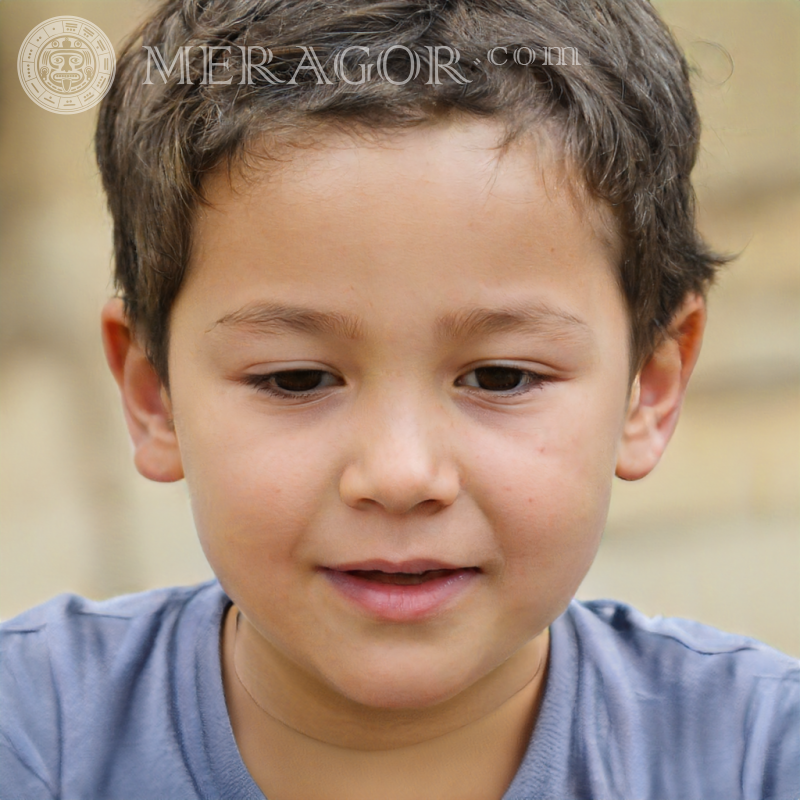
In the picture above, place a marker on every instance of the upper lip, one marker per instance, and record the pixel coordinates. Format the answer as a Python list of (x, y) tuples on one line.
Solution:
[(414, 565)]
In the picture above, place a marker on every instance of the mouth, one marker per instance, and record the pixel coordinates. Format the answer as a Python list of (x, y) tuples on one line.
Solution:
[(401, 592), (403, 573), (401, 578)]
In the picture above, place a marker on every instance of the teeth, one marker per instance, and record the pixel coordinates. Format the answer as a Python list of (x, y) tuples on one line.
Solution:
[(400, 578)]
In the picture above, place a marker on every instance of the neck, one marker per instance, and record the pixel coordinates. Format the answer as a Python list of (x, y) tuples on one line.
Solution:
[(283, 694), (299, 739)]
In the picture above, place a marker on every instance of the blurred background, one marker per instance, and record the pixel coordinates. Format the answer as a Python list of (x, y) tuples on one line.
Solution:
[(712, 534)]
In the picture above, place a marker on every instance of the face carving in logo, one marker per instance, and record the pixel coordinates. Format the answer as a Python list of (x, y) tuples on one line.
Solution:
[(66, 65)]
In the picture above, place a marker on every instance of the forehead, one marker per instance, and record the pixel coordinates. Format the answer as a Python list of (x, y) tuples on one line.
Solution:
[(453, 163), (346, 218)]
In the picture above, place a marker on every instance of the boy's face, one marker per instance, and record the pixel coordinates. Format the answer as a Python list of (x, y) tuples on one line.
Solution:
[(455, 371)]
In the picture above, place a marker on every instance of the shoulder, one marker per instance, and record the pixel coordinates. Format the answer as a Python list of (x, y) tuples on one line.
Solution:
[(70, 632), (71, 668), (66, 607), (690, 698), (637, 643), (70, 624), (682, 661)]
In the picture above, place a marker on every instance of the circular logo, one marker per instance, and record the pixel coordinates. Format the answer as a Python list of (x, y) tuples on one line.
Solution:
[(66, 65)]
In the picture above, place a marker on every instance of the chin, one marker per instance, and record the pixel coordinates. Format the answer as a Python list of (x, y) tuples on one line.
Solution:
[(404, 696), (403, 686)]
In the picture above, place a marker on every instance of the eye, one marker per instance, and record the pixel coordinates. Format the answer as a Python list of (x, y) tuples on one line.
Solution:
[(293, 382), (503, 380)]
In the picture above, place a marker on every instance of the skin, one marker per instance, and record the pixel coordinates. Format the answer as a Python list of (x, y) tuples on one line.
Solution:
[(403, 450)]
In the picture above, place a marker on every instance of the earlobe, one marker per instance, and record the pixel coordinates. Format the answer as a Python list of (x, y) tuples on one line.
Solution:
[(145, 402), (658, 392)]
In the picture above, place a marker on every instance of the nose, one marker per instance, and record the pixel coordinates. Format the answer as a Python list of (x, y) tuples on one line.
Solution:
[(401, 461)]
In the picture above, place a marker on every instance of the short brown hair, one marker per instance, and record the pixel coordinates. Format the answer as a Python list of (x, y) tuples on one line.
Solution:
[(622, 105)]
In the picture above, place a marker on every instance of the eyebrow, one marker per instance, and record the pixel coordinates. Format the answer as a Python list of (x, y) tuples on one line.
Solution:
[(277, 318), (467, 323), (540, 318)]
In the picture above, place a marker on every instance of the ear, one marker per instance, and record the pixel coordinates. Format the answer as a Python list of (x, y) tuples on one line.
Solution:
[(658, 392), (145, 401)]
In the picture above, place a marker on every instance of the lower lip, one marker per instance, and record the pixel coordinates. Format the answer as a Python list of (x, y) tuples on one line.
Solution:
[(402, 603)]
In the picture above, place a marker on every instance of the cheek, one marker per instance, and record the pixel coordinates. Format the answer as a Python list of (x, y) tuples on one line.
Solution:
[(254, 490), (545, 489)]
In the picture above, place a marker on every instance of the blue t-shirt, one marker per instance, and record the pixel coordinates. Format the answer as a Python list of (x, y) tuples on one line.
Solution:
[(123, 700)]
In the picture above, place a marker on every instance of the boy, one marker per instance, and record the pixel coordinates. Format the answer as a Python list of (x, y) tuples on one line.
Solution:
[(398, 328)]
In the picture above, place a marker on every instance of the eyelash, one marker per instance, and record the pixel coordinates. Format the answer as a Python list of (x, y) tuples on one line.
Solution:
[(265, 383)]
